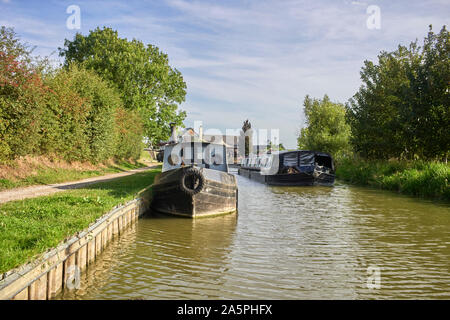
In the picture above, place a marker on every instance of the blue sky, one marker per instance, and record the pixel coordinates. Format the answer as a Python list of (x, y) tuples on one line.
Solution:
[(244, 59)]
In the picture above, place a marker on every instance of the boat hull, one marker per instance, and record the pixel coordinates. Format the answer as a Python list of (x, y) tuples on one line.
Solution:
[(296, 179), (217, 196)]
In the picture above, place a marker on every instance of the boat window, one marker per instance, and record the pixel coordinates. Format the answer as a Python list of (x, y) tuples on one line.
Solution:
[(306, 158), (290, 159), (324, 161)]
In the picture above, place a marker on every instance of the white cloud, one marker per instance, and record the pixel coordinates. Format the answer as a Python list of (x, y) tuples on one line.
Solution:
[(256, 59), (264, 58)]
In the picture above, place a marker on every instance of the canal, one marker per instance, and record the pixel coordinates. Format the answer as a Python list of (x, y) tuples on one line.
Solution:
[(343, 242)]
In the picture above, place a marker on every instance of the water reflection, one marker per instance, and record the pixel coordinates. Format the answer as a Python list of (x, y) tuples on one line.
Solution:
[(162, 254), (285, 243)]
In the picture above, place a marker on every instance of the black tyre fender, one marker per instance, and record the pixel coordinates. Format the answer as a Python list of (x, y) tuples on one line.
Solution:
[(187, 175)]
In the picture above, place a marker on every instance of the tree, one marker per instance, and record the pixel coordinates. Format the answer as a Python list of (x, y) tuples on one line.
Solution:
[(402, 108), (326, 129), (273, 147), (375, 111), (430, 84), (22, 99), (80, 116), (22, 95), (142, 75), (11, 45), (71, 113)]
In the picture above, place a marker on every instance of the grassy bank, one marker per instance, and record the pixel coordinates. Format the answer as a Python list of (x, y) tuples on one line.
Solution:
[(30, 227), (416, 178), (40, 170)]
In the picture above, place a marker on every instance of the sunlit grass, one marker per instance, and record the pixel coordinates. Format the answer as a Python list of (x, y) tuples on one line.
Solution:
[(30, 227)]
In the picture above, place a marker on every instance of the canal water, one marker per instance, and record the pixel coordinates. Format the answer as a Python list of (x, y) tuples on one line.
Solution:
[(340, 242)]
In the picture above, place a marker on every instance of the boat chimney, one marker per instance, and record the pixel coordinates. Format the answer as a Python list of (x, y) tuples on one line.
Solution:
[(200, 133), (173, 132)]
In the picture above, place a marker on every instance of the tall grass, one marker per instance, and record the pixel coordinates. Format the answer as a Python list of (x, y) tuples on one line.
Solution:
[(417, 178)]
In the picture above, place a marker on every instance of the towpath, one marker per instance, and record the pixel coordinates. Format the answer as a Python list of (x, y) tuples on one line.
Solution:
[(43, 190)]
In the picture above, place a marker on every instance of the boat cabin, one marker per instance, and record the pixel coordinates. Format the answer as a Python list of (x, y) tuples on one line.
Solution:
[(288, 162), (201, 154)]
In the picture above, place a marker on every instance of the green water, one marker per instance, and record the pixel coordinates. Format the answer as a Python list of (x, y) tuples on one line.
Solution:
[(285, 243)]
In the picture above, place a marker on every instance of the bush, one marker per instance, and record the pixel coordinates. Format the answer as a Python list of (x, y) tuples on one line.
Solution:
[(70, 113), (22, 94), (418, 178), (129, 130), (80, 116)]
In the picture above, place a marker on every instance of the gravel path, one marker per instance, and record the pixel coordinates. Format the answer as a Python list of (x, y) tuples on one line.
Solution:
[(43, 190)]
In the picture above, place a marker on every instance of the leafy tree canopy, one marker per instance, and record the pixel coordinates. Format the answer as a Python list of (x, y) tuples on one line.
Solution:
[(402, 108), (326, 129), (146, 81)]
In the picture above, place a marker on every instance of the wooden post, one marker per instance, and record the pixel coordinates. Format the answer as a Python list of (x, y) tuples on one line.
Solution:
[(98, 244), (22, 295), (55, 281), (82, 257), (91, 251), (70, 262), (104, 238), (120, 219), (125, 220), (38, 289), (116, 227), (110, 232)]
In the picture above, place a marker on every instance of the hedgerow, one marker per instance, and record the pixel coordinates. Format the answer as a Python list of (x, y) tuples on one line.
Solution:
[(70, 113)]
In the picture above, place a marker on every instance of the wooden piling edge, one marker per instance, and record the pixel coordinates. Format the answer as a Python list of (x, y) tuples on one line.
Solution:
[(47, 275)]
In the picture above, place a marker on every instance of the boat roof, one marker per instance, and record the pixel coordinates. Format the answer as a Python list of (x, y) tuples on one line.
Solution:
[(194, 142), (321, 153)]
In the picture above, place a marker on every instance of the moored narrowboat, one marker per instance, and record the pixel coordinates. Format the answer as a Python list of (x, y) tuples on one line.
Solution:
[(290, 168), (195, 181)]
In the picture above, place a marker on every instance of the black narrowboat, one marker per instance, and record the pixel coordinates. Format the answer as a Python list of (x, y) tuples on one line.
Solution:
[(195, 181), (290, 168)]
